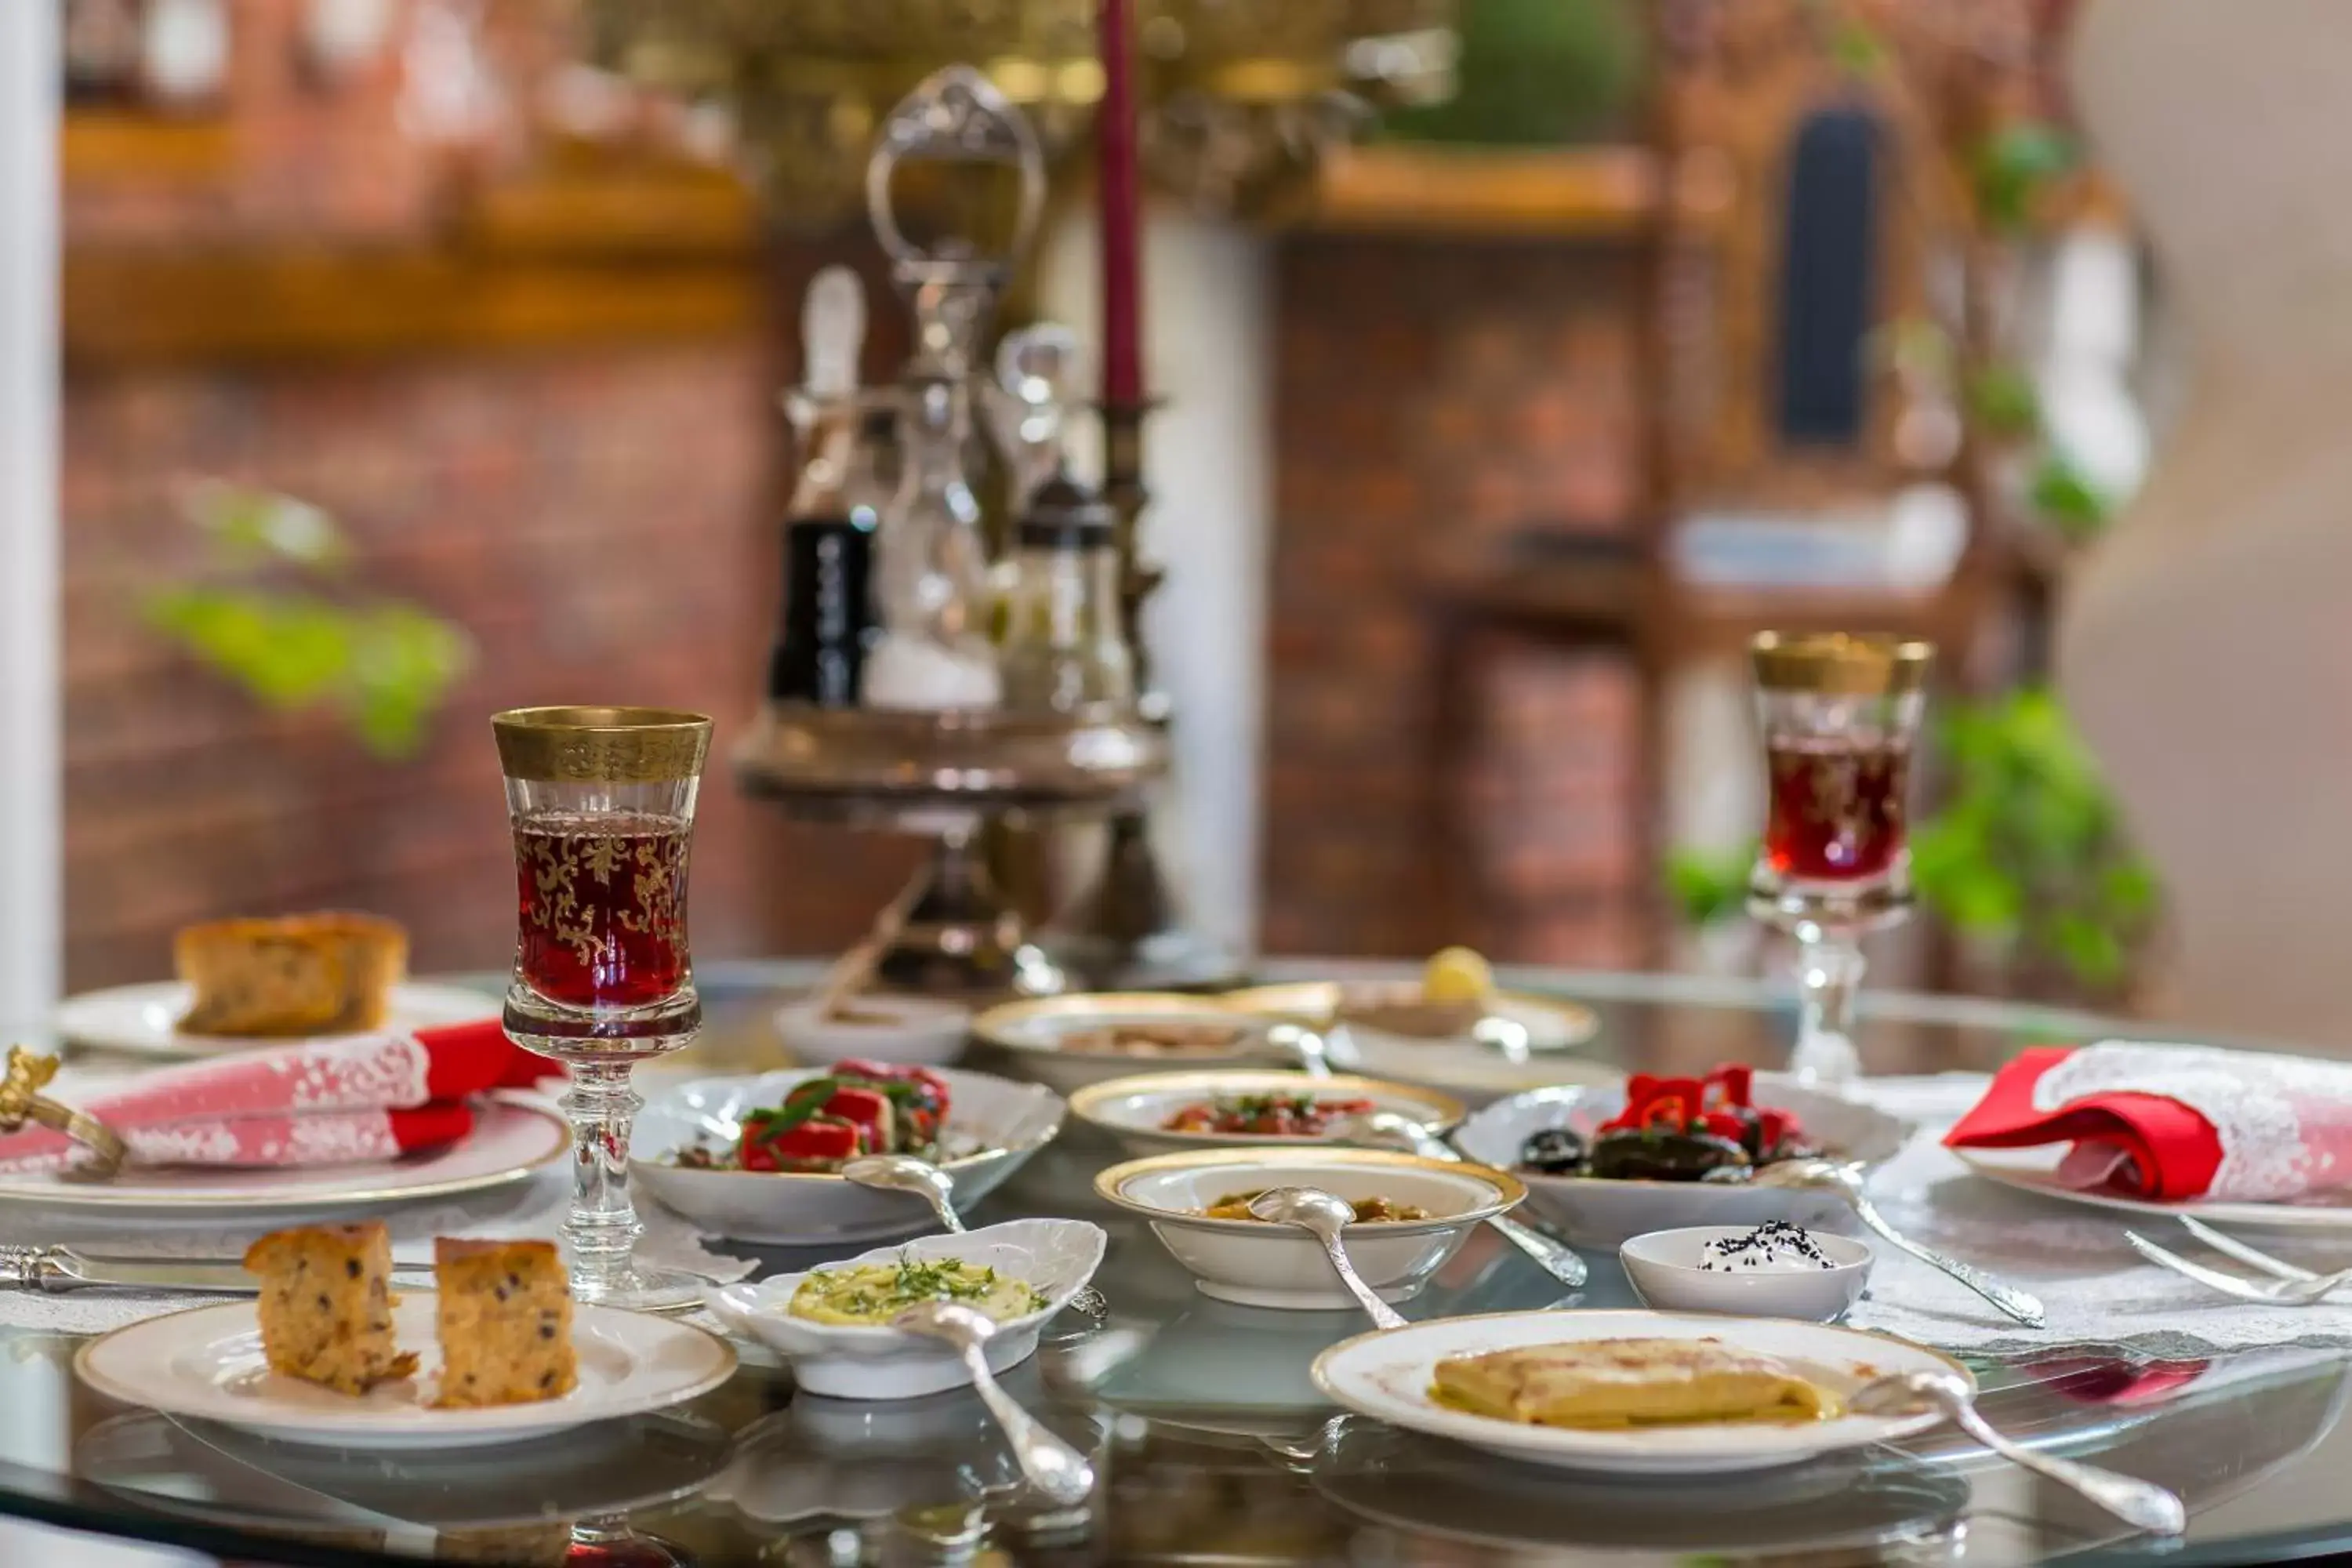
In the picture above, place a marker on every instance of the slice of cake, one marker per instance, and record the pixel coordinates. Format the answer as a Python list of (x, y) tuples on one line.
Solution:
[(302, 974), (326, 1305), (505, 1314)]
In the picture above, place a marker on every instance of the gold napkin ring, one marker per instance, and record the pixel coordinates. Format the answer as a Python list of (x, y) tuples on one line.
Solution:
[(21, 1101)]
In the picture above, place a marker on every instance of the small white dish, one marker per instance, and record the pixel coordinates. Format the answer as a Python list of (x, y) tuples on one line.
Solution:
[(917, 1030), (511, 1139), (1134, 1110), (997, 1123), (144, 1020), (1388, 1376), (840, 1361), (1593, 1212), (1255, 1264), (1663, 1267), (1034, 1038), (206, 1365)]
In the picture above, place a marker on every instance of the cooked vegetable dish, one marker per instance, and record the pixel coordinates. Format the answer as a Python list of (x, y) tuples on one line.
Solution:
[(1264, 1115), (1154, 1039), (1369, 1211), (856, 1109), (1676, 1130)]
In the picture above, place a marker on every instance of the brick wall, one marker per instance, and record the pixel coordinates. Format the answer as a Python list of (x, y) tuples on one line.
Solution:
[(597, 516), (1433, 401)]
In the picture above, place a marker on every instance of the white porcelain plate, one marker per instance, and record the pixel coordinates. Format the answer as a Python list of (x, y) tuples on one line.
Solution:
[(1388, 1375), (993, 1126), (511, 1140), (1135, 1110), (206, 1365), (145, 1020), (2036, 1171), (1458, 1064)]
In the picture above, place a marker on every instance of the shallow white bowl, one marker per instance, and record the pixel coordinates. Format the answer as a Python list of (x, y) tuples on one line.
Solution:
[(1000, 1121), (1027, 1038), (1665, 1268), (1591, 1212), (845, 1361), (916, 1030), (1132, 1109), (1260, 1265)]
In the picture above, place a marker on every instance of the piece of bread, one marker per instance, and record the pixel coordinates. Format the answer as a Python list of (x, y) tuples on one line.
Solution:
[(326, 1305), (505, 1316), (302, 974)]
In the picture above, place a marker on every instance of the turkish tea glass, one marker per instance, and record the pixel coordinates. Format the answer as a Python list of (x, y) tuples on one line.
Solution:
[(1839, 713), (601, 804)]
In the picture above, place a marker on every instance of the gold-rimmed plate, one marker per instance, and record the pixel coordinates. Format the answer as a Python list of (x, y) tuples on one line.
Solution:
[(1070, 1042), (1135, 1110), (144, 1020), (1464, 1060), (511, 1140), (1255, 1264)]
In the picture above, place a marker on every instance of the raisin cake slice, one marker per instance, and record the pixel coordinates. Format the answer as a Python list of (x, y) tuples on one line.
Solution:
[(504, 1309), (322, 974), (326, 1305)]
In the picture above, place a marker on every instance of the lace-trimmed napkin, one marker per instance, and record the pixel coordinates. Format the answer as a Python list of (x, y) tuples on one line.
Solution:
[(2097, 1290)]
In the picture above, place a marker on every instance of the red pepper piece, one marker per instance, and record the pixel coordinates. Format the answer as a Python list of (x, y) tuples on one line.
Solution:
[(819, 1141), (1730, 1085), (1724, 1124), (870, 1111)]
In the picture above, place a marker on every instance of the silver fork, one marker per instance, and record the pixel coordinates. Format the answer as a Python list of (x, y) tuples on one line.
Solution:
[(2292, 1287)]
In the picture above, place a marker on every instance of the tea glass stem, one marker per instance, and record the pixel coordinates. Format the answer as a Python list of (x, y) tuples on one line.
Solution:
[(602, 1230), (1829, 972)]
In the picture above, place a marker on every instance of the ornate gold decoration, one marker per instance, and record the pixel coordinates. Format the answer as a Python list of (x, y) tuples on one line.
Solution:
[(601, 745), (653, 862), (1840, 664), (21, 1101), (1235, 94)]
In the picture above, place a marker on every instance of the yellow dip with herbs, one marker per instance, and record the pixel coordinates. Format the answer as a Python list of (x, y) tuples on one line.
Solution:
[(875, 1293)]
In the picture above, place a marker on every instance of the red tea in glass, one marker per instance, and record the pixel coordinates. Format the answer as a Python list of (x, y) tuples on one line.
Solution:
[(1836, 811), (601, 900)]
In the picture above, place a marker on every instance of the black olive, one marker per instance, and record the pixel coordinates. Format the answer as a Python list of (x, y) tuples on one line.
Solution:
[(1554, 1152), (1634, 1154)]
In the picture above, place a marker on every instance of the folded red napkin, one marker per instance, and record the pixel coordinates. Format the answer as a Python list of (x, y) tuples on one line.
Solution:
[(2174, 1122), (369, 1097)]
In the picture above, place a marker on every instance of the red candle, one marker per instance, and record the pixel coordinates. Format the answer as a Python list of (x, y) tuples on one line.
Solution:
[(1122, 193)]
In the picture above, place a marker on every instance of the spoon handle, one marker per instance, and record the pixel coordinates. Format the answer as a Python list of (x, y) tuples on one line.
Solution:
[(1382, 1315), (948, 1219), (2140, 1504), (2025, 1308), (1555, 1258), (1055, 1467)]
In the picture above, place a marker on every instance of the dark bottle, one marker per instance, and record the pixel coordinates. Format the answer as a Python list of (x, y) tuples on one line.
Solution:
[(828, 623)]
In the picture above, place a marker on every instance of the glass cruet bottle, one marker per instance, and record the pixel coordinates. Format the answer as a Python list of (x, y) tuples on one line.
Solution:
[(1064, 651), (931, 580)]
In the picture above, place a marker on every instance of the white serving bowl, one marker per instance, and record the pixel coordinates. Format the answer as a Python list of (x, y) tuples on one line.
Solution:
[(1131, 1110), (1665, 1268), (915, 1030), (1255, 1264), (1593, 1212), (859, 1361), (1000, 1122), (1029, 1038), (853, 1362)]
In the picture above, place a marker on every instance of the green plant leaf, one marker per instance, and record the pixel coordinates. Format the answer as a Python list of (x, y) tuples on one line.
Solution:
[(2014, 165), (2002, 398), (1708, 886), (2065, 499)]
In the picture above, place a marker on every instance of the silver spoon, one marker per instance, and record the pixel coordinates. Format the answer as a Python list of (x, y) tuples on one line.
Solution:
[(905, 1173), (1828, 1176), (1322, 1216), (2140, 1504), (1055, 1467), (1313, 1052), (1386, 1127)]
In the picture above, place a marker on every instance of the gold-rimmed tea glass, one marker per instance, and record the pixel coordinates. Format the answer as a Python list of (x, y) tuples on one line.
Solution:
[(601, 804), (1839, 713)]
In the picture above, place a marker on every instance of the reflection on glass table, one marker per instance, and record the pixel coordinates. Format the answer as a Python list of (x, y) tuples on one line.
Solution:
[(1211, 1443)]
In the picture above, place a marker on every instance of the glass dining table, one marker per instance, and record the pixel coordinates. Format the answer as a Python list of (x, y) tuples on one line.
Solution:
[(1210, 1445)]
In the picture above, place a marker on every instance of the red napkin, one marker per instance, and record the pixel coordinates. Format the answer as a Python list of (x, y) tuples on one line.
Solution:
[(370, 1097), (2174, 1122)]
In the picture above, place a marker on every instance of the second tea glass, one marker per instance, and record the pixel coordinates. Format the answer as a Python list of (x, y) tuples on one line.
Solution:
[(601, 804), (1839, 712)]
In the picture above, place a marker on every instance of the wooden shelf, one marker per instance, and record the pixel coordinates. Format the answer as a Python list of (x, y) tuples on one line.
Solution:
[(1597, 192), (117, 144)]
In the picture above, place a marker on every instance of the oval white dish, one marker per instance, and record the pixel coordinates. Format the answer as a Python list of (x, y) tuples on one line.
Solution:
[(1255, 1264), (144, 1019), (1458, 1064), (918, 1030), (1663, 1266), (1593, 1212), (1058, 1256), (1388, 1375), (997, 1122), (1133, 1110), (206, 1365)]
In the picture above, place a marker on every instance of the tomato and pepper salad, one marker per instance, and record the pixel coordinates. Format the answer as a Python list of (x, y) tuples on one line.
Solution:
[(855, 1108)]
